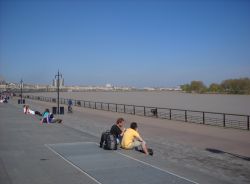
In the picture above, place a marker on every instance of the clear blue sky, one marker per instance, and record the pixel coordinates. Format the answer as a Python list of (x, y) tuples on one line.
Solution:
[(132, 43)]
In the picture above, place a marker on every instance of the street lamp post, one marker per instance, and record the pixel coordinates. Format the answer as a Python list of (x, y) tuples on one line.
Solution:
[(57, 77), (21, 83), (6, 87)]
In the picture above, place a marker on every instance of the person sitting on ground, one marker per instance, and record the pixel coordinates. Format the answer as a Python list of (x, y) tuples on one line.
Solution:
[(132, 139), (27, 110), (3, 100), (47, 117), (118, 129)]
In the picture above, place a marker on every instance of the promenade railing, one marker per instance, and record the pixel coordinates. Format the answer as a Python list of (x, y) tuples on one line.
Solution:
[(237, 121)]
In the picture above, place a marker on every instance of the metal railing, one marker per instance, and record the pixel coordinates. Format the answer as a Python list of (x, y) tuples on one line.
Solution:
[(237, 121)]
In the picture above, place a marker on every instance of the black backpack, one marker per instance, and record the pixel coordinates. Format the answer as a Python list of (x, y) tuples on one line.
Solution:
[(108, 141)]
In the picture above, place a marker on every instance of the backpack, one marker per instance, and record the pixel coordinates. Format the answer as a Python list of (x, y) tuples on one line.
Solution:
[(108, 141), (51, 116)]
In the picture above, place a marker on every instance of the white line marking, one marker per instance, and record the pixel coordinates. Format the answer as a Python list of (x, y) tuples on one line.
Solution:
[(156, 167), (70, 143), (153, 166), (78, 168), (145, 163)]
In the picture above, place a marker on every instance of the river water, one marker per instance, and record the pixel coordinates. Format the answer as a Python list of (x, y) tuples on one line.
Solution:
[(235, 104)]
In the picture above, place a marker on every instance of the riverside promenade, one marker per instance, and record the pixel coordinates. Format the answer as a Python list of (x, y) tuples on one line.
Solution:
[(68, 153)]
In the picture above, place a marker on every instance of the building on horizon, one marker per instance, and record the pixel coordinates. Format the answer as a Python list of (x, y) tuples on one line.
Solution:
[(61, 82)]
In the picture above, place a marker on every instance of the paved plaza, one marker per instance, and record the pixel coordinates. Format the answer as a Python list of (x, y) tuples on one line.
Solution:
[(68, 152)]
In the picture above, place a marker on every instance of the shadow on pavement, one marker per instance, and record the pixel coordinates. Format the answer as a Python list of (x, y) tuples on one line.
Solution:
[(224, 152)]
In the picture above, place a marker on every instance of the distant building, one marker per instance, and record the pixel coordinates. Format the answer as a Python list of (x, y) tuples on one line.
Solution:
[(61, 82), (149, 89), (54, 82), (109, 86)]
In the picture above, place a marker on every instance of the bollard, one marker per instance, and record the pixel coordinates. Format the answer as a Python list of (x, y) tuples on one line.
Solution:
[(61, 110), (54, 110)]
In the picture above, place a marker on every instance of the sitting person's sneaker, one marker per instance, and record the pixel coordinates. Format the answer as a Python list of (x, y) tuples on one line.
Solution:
[(150, 151)]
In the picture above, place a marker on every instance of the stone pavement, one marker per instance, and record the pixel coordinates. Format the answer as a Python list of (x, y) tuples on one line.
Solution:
[(25, 158), (113, 167)]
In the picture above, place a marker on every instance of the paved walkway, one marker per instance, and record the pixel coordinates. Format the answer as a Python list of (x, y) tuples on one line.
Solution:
[(113, 167), (24, 158)]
